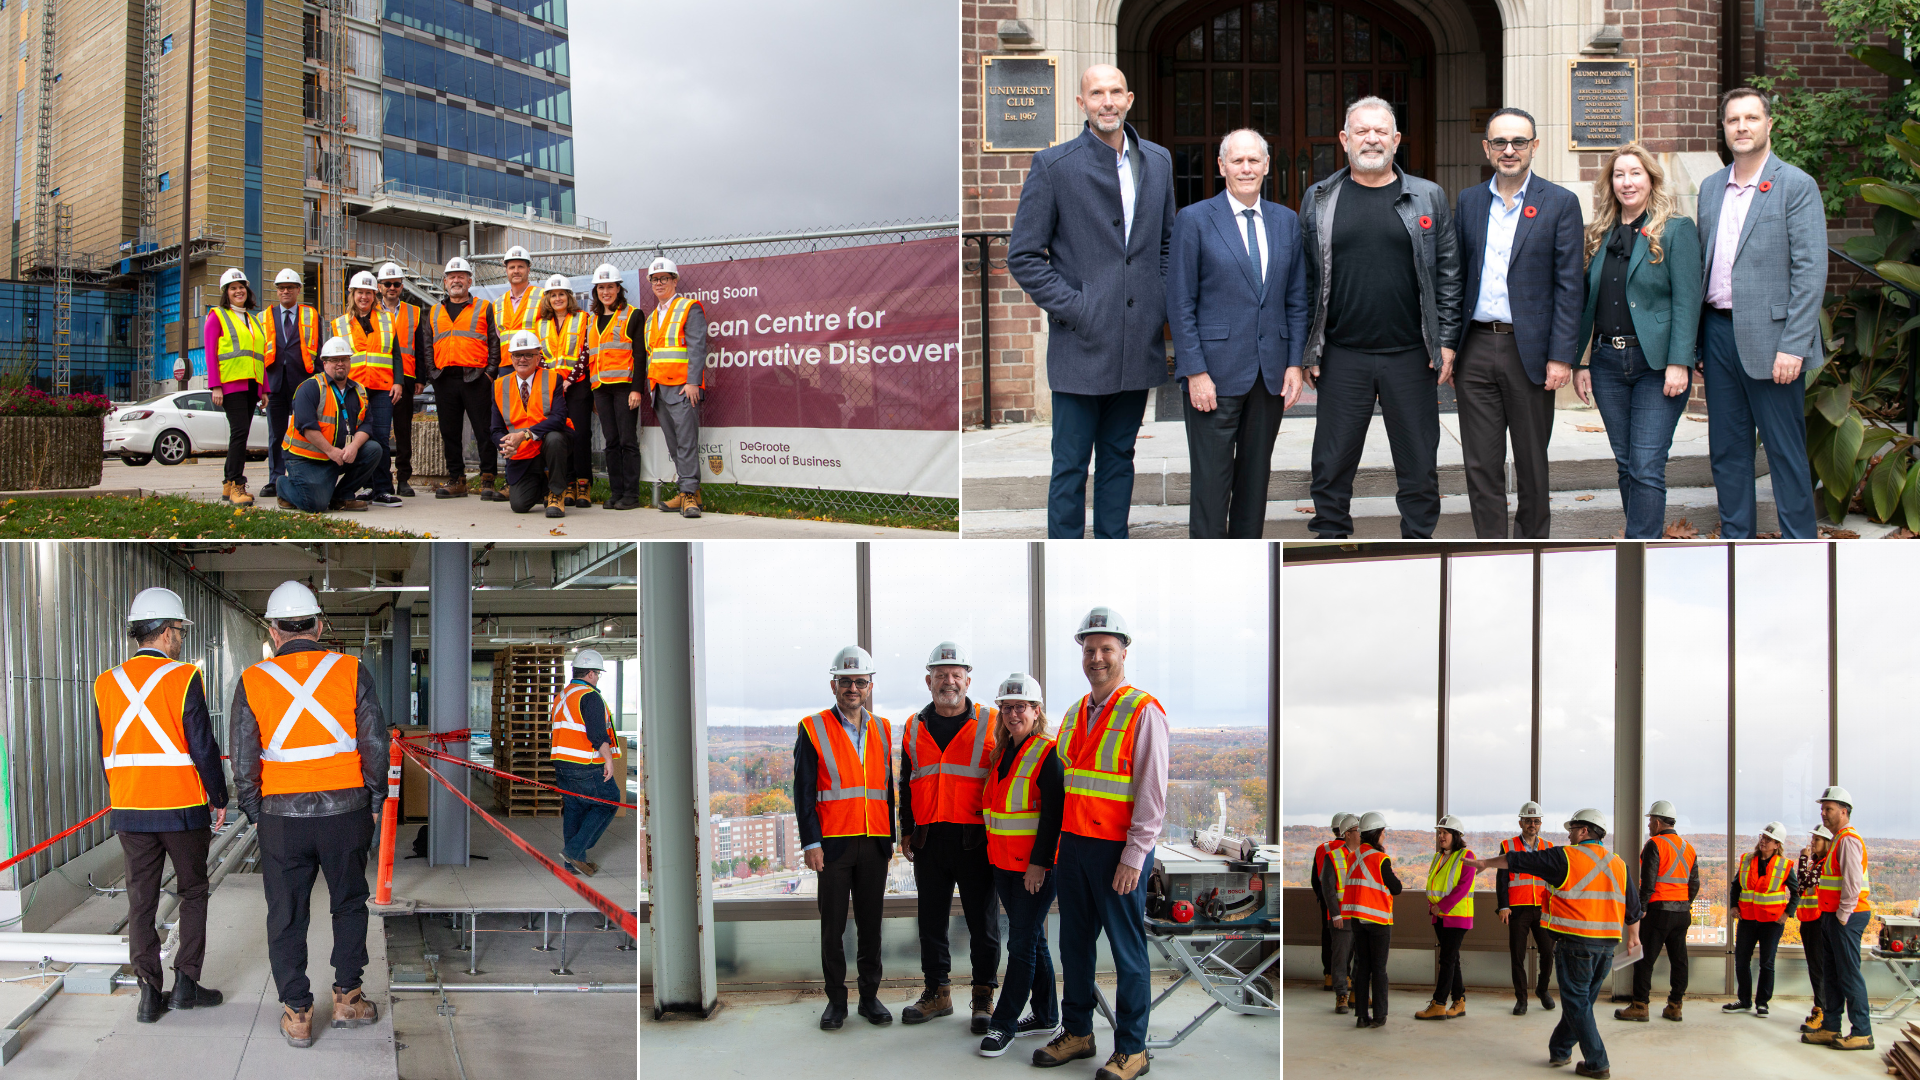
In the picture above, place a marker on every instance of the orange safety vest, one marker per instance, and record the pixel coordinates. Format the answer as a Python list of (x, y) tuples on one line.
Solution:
[(1591, 901), (1808, 909), (1674, 868), (295, 441), (850, 790), (519, 316), (372, 365), (143, 734), (406, 317), (570, 743), (1098, 755), (304, 703), (562, 340), (1525, 889), (523, 415), (1320, 854), (461, 342), (306, 327), (1365, 896), (1763, 894), (1012, 807), (1829, 887), (1342, 861), (947, 785), (667, 342), (610, 351)]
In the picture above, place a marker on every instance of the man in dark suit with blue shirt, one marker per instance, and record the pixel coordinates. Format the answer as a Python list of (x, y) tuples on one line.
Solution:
[(1521, 239), (1237, 302), (1089, 246)]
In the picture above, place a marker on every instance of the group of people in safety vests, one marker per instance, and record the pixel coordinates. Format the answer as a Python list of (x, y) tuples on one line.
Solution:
[(527, 374)]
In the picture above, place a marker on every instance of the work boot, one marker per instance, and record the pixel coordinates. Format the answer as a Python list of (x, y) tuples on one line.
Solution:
[(1852, 1042), (1520, 1005), (834, 1015), (452, 489), (1635, 1011), (1672, 1011), (269, 491), (488, 493), (588, 867), (297, 1026), (153, 1004), (624, 502), (352, 1009), (1813, 1020), (673, 505), (934, 1001), (554, 509), (1435, 1010), (1326, 982), (691, 509), (188, 994), (1064, 1048), (1121, 1066), (347, 504), (982, 1008), (1584, 1069), (240, 496), (1545, 1001), (583, 493), (1459, 1007), (282, 503), (875, 1012), (1820, 1038), (1340, 1004), (404, 489)]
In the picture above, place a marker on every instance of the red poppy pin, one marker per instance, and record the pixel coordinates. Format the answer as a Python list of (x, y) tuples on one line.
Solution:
[(1426, 222), (1531, 210), (1645, 233), (1766, 185)]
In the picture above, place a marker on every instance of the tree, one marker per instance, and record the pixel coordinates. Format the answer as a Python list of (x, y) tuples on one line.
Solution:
[(771, 801), (757, 863), (727, 803)]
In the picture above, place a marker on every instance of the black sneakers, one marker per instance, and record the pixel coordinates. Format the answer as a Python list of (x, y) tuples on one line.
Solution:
[(1033, 1025)]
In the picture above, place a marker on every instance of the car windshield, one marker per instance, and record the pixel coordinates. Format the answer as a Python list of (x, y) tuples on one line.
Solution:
[(155, 400)]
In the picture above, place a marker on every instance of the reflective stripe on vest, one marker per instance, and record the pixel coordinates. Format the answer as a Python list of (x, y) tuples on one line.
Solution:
[(667, 341), (1442, 875), (146, 769), (1829, 887), (561, 340), (519, 417), (1808, 909), (1098, 760), (516, 317), (461, 342), (1674, 867), (610, 351), (1594, 905), (304, 702), (1012, 808), (372, 365), (306, 328), (570, 742), (242, 347), (1525, 889), (1365, 896), (405, 318), (1763, 897), (1342, 860), (328, 415), (946, 786), (850, 791)]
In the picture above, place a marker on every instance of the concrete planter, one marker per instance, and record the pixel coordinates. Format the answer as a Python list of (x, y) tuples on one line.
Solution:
[(39, 453)]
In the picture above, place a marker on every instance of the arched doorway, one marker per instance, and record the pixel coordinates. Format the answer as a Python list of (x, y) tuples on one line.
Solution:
[(1287, 69)]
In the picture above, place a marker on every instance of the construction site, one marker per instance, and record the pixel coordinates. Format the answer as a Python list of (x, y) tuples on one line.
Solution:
[(491, 951)]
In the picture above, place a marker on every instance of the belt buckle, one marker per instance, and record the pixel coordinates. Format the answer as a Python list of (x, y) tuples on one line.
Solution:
[(1619, 343)]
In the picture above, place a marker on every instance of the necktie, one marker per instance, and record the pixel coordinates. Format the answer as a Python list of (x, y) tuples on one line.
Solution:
[(1253, 254), (526, 388)]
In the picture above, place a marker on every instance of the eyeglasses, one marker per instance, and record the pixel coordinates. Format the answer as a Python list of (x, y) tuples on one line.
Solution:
[(857, 684), (1502, 144)]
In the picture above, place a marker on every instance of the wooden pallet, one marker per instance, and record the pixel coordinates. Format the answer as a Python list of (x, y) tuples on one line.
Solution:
[(525, 680)]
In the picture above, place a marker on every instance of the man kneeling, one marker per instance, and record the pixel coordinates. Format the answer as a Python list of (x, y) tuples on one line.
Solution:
[(530, 424), (327, 453)]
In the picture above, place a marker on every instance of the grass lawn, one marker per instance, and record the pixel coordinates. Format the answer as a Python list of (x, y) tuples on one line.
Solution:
[(807, 504), (169, 517)]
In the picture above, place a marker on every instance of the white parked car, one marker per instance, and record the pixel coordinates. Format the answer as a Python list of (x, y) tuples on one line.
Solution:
[(170, 428)]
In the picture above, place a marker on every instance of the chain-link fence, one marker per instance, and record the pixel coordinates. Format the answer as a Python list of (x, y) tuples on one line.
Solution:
[(833, 366)]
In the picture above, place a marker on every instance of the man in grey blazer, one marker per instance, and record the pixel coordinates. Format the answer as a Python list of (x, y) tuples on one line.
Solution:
[(1765, 235), (1089, 246)]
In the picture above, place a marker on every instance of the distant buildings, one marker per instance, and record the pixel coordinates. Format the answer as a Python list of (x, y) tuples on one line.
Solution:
[(773, 837)]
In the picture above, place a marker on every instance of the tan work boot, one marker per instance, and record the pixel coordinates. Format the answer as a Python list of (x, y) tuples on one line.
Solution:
[(1435, 1010), (487, 491), (1672, 1011), (297, 1026), (1340, 1004), (1459, 1007), (583, 493), (982, 1008), (1326, 982), (934, 1001), (673, 505), (691, 508), (1820, 1038), (352, 1009), (1123, 1066), (1813, 1020), (1852, 1042), (1635, 1011), (554, 509), (1064, 1048), (239, 496), (452, 489)]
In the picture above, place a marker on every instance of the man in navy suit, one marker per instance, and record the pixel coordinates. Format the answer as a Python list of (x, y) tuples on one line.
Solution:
[(1089, 246), (1237, 301), (1525, 291)]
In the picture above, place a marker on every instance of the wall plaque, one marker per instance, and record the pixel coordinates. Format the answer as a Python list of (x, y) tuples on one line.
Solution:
[(1605, 110), (1017, 110)]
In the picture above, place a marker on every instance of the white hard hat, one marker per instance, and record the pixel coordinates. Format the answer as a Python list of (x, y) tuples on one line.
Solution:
[(589, 660), (1343, 822), (232, 275), (1664, 809), (606, 272), (1776, 830), (852, 660), (157, 604), (948, 654), (1019, 687), (1529, 809), (1103, 620), (1822, 832), (1335, 823), (1838, 794), (662, 265), (363, 280), (288, 276), (1372, 820), (392, 272), (517, 252), (292, 600), (524, 341), (458, 265), (557, 281), (336, 346), (1589, 816), (1448, 821)]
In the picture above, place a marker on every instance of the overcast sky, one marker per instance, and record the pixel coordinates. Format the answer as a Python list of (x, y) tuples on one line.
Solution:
[(697, 120)]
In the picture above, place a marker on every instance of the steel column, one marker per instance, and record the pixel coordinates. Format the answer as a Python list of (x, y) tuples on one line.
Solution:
[(1733, 759), (401, 693), (1273, 693), (1037, 611), (1833, 663), (1533, 784), (1629, 684), (1444, 689), (450, 621)]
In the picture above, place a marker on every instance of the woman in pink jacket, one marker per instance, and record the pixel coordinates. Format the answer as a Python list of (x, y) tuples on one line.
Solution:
[(1450, 906), (235, 340)]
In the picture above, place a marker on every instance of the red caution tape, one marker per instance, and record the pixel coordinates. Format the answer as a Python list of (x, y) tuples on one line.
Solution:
[(626, 920), (45, 844), (476, 767)]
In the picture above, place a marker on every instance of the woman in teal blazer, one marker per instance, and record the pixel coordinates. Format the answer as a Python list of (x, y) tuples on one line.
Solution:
[(1642, 317)]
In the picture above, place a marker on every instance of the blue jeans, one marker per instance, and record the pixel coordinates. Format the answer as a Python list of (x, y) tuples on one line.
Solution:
[(380, 416), (1029, 965), (1846, 987), (1737, 405), (315, 485), (582, 822), (1101, 427), (1586, 966), (1640, 420), (1084, 872)]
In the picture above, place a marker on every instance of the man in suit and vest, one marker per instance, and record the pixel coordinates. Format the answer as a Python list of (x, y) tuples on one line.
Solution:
[(309, 746), (1761, 894), (329, 447), (1319, 898), (1765, 233), (163, 770), (464, 342), (944, 755), (1526, 287), (1845, 909), (1089, 245), (676, 377), (843, 806), (1806, 912), (377, 366), (1113, 743), (583, 757), (530, 427), (416, 362), (1669, 879), (1519, 898), (1237, 302), (519, 306), (1591, 909), (293, 351)]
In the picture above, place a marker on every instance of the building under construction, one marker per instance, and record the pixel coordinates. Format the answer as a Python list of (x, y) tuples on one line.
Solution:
[(488, 960), (325, 135)]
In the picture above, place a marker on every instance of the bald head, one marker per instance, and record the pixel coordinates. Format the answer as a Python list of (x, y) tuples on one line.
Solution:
[(1102, 75), (1105, 99)]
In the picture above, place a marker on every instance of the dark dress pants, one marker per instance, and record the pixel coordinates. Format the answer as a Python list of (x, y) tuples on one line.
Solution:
[(403, 432), (1746, 935), (1406, 386), (1738, 405), (1371, 943), (543, 476), (1100, 428), (1815, 951), (1523, 920), (239, 406), (1326, 935), (1230, 448), (1662, 929), (457, 399), (1029, 964), (147, 853), (580, 411), (294, 851), (1496, 399), (1640, 419), (1447, 980), (938, 868), (620, 430), (279, 415), (859, 877)]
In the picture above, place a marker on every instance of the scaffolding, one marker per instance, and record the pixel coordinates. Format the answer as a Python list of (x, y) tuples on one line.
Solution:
[(149, 235), (43, 147), (62, 297)]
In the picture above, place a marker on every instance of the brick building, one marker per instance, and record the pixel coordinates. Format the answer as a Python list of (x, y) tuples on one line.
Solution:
[(1200, 68), (773, 837)]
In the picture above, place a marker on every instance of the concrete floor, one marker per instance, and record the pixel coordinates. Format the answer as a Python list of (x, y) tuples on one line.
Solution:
[(1490, 1043)]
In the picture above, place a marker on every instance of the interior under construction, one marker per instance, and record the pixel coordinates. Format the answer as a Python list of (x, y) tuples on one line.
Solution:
[(487, 958)]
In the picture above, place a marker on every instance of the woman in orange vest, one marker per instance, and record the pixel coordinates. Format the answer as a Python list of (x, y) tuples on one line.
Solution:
[(378, 366), (1806, 912), (235, 346), (1762, 892), (616, 337), (1366, 908), (1025, 796), (1450, 907), (562, 327)]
